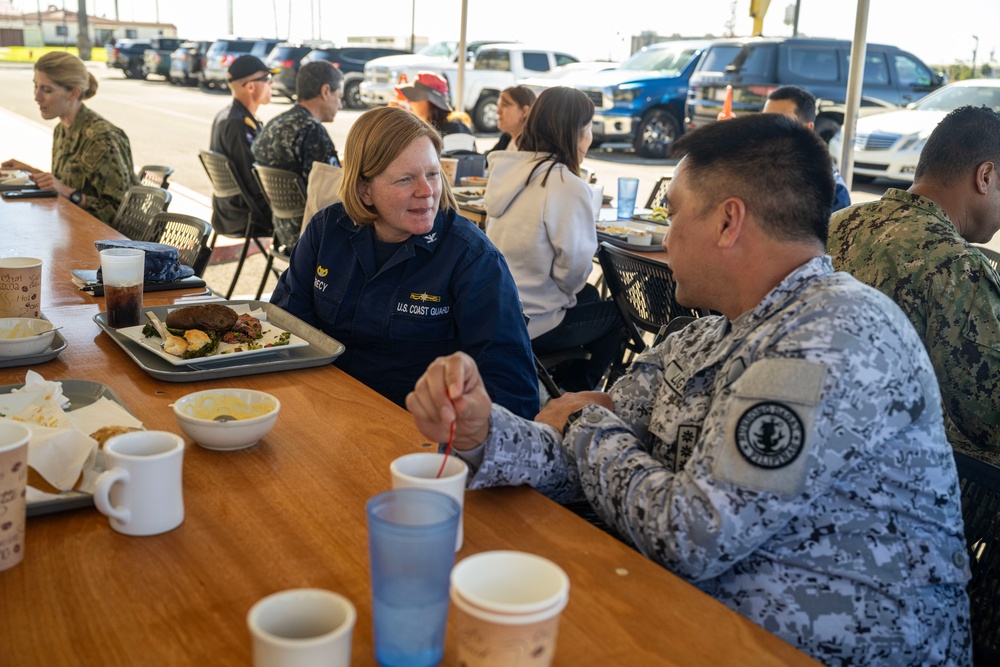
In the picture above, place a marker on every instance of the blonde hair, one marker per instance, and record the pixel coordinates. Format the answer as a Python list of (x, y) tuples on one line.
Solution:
[(375, 140), (68, 71)]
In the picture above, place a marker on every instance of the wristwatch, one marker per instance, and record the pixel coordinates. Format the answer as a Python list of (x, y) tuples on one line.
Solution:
[(76, 197)]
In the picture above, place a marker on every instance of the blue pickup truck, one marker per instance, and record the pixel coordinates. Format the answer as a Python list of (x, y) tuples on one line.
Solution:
[(642, 101)]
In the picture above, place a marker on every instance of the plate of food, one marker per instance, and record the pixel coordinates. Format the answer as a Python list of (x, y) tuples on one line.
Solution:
[(212, 331), (15, 179), (626, 235), (469, 194), (658, 216)]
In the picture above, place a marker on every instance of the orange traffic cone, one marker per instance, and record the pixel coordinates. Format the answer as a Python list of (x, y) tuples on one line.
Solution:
[(400, 100), (727, 105)]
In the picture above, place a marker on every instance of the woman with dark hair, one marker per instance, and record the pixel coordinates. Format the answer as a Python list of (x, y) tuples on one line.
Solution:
[(538, 213), (428, 98), (512, 113), (91, 158), (397, 276)]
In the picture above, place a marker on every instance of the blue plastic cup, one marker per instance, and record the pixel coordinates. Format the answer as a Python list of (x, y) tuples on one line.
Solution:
[(628, 188), (411, 541)]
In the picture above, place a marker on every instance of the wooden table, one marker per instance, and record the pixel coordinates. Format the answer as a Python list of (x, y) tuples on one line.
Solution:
[(62, 235), (289, 512)]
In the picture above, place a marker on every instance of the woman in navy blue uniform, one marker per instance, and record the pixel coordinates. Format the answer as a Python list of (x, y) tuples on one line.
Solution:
[(400, 278)]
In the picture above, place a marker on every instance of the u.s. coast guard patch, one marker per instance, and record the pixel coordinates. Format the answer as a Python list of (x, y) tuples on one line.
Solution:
[(769, 435)]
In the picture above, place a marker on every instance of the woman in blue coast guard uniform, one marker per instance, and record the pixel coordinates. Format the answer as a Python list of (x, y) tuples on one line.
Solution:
[(400, 278)]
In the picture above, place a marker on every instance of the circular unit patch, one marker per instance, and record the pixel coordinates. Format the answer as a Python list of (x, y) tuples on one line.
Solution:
[(770, 435)]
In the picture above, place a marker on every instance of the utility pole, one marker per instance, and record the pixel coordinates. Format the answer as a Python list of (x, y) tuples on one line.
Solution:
[(413, 24), (83, 44), (975, 50)]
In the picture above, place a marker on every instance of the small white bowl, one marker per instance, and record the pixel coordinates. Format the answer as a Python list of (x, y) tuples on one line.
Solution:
[(196, 415), (24, 336), (638, 237)]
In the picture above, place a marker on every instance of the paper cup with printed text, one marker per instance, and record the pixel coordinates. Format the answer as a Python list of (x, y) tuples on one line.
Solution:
[(13, 487), (506, 609), (20, 287), (449, 167)]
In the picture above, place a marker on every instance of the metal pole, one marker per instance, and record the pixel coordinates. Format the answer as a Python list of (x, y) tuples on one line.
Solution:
[(975, 51), (855, 78), (413, 24), (795, 23), (229, 16), (460, 85), (319, 18)]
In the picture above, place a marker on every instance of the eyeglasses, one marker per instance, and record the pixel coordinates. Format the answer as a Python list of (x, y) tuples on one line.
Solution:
[(265, 79)]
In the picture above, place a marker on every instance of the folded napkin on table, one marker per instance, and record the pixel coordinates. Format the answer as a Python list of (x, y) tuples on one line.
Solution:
[(61, 450)]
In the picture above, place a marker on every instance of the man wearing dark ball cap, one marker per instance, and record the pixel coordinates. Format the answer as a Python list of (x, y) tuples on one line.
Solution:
[(233, 132)]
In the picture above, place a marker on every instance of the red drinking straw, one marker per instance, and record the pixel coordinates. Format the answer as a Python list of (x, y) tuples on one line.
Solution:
[(451, 436)]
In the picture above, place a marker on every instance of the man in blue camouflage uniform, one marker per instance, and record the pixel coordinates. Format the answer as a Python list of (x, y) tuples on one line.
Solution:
[(787, 457), (914, 246), (233, 132), (800, 105), (295, 139)]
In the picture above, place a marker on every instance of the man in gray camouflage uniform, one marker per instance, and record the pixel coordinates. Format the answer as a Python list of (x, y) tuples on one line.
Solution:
[(915, 247), (787, 457), (295, 139)]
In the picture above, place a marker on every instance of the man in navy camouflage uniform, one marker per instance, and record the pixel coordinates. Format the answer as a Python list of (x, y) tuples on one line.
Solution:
[(915, 246), (295, 139), (787, 457)]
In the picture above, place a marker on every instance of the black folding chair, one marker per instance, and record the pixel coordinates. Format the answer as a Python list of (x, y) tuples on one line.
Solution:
[(286, 194), (190, 235), (992, 256), (134, 217), (644, 292), (224, 185), (980, 484), (658, 197), (155, 175)]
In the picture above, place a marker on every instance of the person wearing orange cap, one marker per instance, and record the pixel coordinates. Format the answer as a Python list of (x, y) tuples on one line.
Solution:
[(428, 97)]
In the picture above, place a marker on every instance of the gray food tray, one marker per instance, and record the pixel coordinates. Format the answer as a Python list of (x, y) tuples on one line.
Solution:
[(80, 393), (321, 350), (621, 243), (58, 345)]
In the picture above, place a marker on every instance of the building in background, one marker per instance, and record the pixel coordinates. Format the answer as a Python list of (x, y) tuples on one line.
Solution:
[(57, 27)]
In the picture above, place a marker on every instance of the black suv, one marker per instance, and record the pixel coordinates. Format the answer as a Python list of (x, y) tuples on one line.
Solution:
[(127, 55), (223, 52), (185, 62), (351, 61), (756, 66), (286, 57)]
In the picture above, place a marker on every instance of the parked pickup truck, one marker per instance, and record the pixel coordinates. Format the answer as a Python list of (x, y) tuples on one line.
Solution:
[(156, 59), (642, 101), (127, 55), (496, 66), (382, 74)]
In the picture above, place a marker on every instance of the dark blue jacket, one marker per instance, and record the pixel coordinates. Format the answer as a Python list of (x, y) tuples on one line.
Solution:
[(441, 292)]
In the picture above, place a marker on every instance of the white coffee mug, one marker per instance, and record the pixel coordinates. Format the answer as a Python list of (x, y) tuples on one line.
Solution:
[(419, 471), (302, 627), (141, 490)]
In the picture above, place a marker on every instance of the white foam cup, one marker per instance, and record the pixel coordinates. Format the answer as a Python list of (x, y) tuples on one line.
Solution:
[(302, 627), (419, 471)]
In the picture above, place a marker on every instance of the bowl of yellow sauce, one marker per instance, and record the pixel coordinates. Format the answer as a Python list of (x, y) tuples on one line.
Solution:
[(227, 419)]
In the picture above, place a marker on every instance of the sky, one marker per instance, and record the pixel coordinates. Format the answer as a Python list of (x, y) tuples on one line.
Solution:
[(940, 33)]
